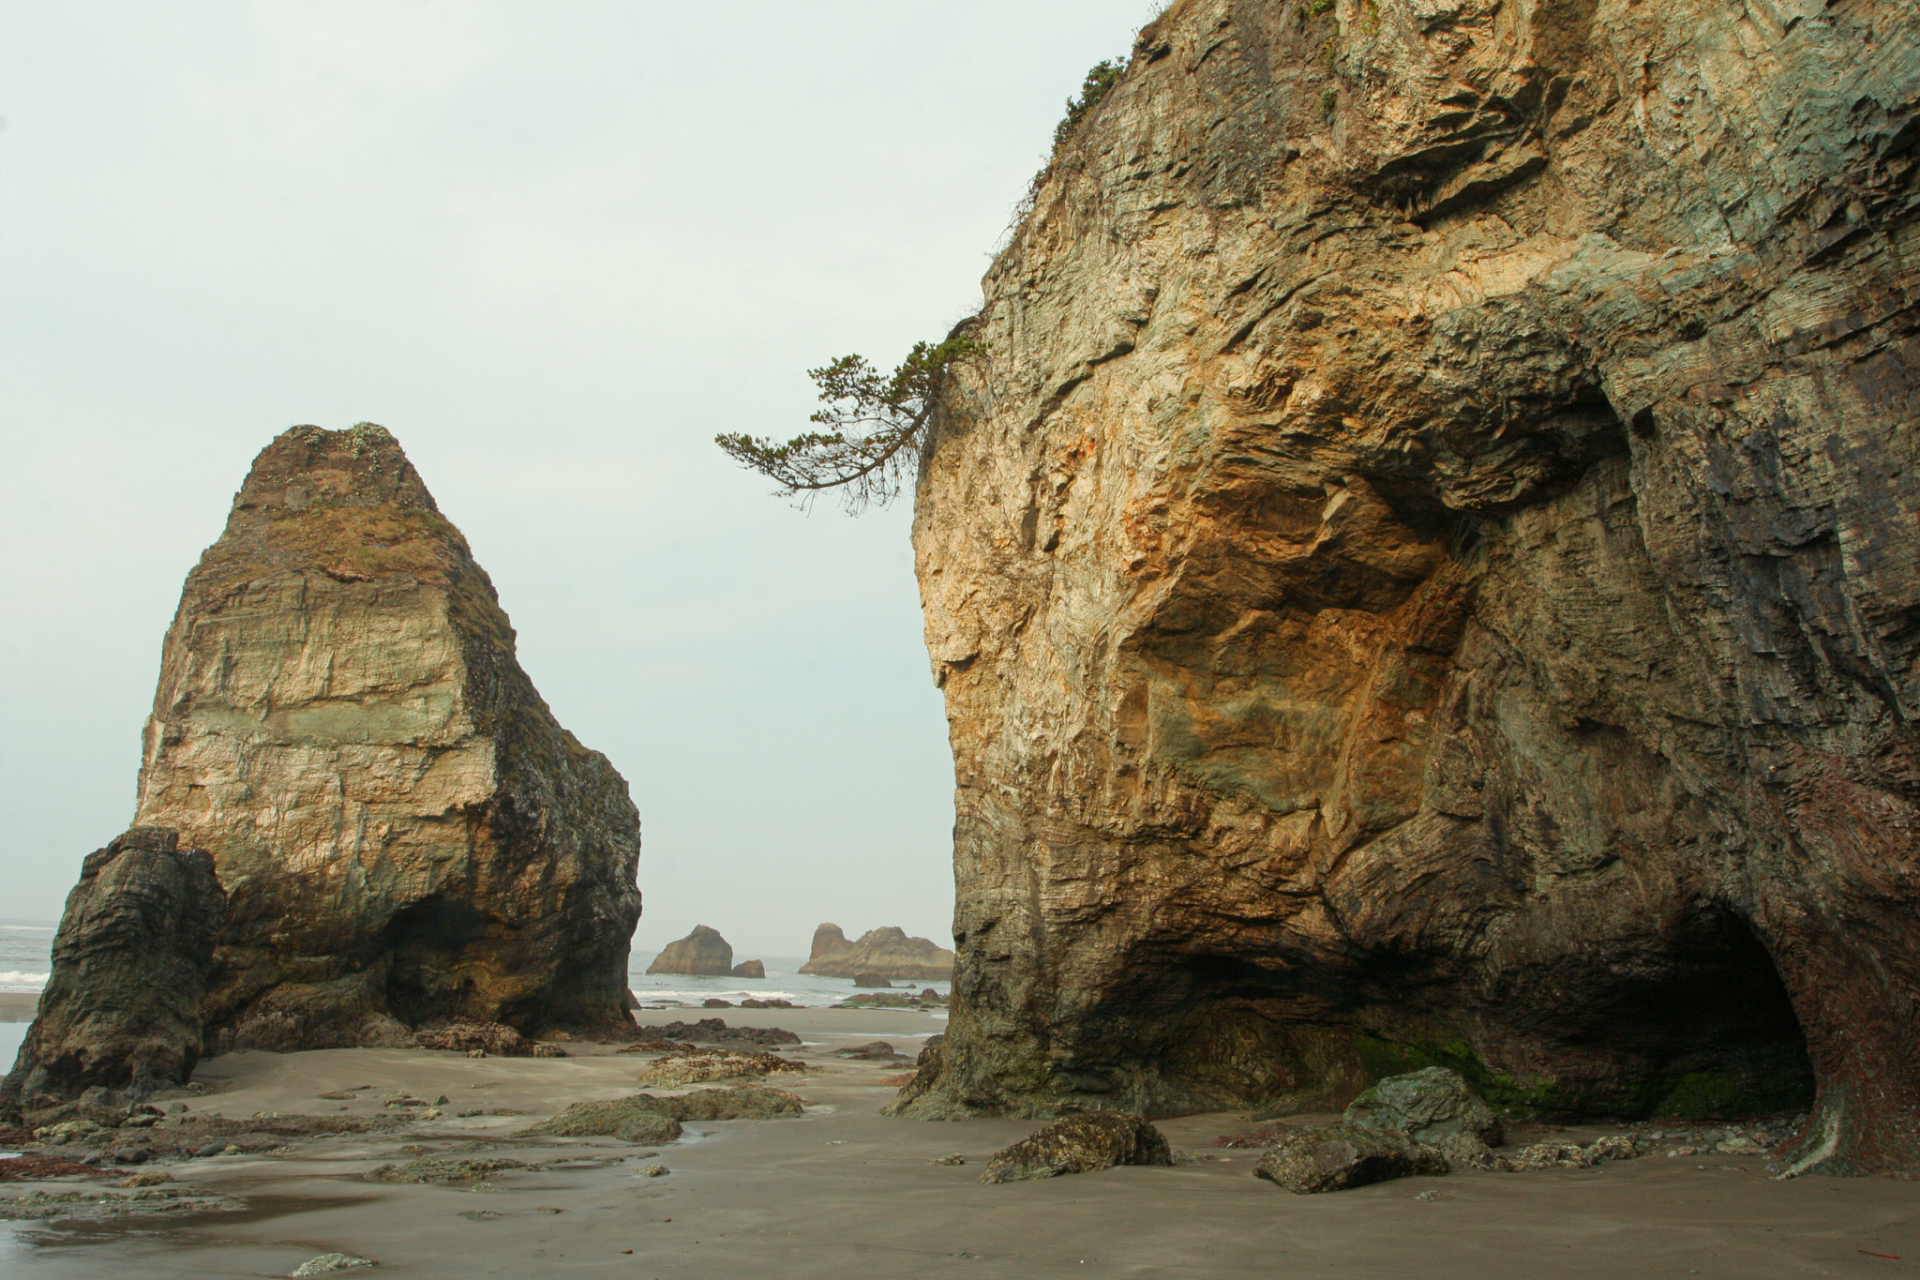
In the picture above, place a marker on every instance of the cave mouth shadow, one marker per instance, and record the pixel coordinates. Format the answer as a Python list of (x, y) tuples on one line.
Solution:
[(1693, 1023), (1707, 1030), (427, 942)]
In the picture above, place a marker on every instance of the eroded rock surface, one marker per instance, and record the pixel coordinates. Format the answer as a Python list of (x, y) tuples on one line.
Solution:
[(1312, 1161), (1080, 1144), (404, 832), (885, 953), (122, 1007), (1426, 572), (703, 951)]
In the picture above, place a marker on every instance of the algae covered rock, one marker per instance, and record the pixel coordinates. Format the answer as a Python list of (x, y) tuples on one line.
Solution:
[(122, 1008), (738, 1102), (406, 834), (1310, 1161), (1080, 1144), (635, 1119), (1427, 1105)]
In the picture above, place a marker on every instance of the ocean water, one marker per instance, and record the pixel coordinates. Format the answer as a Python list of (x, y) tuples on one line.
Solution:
[(784, 981), (25, 960), (25, 952)]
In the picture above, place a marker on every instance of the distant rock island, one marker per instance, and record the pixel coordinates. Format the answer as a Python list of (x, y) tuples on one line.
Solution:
[(880, 953), (704, 953), (404, 832)]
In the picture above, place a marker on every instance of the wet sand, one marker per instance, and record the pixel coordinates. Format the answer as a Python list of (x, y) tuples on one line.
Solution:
[(845, 1192), (16, 1006)]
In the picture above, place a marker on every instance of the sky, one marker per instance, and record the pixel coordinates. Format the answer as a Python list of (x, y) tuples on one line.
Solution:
[(554, 246)]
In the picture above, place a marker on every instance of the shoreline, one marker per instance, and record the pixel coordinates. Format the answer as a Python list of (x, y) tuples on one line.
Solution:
[(842, 1189)]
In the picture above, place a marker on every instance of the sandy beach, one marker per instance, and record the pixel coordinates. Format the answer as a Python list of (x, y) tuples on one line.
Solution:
[(843, 1191)]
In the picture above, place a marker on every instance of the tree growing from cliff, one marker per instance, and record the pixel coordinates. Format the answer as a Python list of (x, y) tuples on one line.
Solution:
[(1100, 79), (874, 425)]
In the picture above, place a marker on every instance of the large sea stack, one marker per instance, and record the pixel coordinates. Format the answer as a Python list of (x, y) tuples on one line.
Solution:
[(122, 1008), (1427, 572), (404, 832), (880, 953)]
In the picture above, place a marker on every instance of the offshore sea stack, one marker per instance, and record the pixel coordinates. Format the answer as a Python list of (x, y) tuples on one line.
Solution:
[(404, 833), (1425, 573), (122, 1008), (879, 953), (703, 951)]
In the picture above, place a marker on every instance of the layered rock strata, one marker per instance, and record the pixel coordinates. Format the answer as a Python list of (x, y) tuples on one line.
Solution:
[(1427, 572), (405, 834), (703, 951), (122, 1007), (885, 953)]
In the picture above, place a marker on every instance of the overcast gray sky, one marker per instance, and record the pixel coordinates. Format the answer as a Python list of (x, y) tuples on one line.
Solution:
[(554, 246)]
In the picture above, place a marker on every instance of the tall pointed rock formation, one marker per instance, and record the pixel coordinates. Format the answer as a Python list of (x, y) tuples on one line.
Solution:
[(404, 832)]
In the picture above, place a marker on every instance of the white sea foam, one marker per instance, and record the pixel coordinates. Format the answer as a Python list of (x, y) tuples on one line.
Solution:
[(16, 980)]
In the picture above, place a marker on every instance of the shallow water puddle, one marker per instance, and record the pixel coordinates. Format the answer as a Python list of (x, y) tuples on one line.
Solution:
[(175, 1228)]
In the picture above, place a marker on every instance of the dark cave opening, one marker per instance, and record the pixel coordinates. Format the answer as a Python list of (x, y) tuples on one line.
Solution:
[(1707, 1029), (426, 941)]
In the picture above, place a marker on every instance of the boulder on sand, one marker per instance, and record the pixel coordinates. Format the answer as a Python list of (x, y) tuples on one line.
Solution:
[(1080, 1144), (703, 953), (1428, 1105), (1309, 1161), (122, 1008), (633, 1119)]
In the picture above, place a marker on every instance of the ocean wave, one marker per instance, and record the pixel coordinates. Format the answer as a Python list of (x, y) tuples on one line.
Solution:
[(15, 978)]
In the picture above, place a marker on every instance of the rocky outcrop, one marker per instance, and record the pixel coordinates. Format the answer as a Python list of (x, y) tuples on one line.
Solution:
[(404, 832), (879, 954), (122, 1007), (703, 951), (1425, 572), (749, 969)]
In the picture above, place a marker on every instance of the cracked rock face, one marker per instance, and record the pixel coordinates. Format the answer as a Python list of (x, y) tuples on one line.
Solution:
[(404, 832), (1428, 572), (122, 1008)]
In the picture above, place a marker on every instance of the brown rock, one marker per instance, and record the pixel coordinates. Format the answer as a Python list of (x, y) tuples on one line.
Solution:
[(405, 832), (749, 969), (880, 954), (1080, 1144), (1427, 574), (122, 1007), (485, 1037), (703, 951), (1310, 1161)]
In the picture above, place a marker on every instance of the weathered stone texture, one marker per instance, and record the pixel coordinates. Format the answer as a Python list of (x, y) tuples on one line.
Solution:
[(1429, 571), (122, 1007), (404, 832)]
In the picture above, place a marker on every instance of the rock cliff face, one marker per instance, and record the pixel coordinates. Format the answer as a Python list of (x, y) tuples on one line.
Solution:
[(1429, 571), (404, 832), (122, 1008), (703, 951), (879, 953)]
